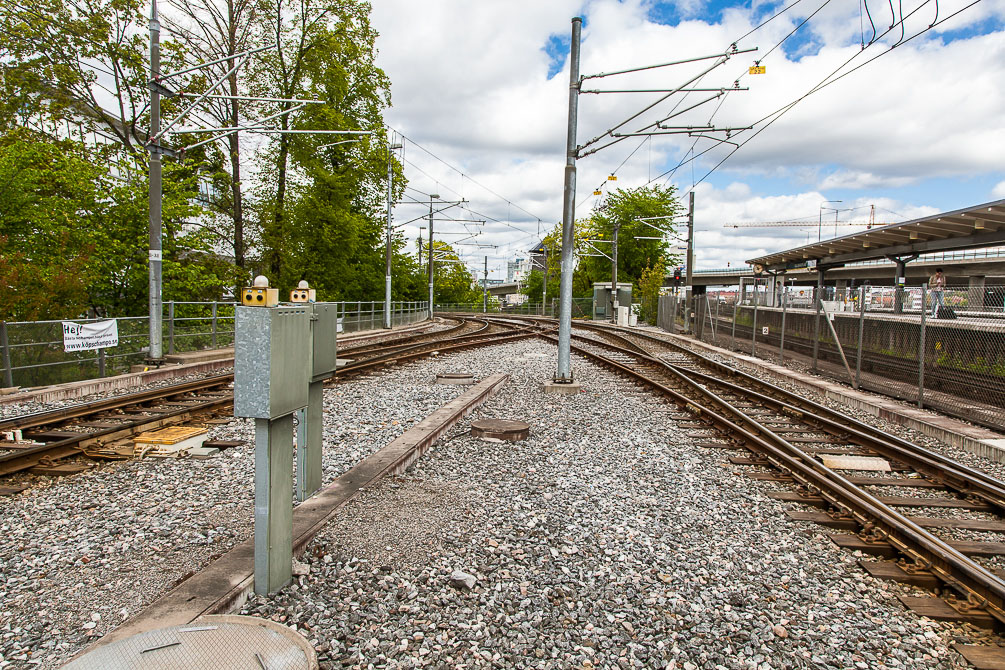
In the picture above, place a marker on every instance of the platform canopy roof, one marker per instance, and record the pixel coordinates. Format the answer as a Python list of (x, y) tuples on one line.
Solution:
[(969, 228)]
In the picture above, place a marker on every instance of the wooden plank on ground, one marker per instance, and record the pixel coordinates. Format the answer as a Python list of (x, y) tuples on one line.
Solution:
[(823, 519), (939, 610), (890, 570), (982, 657)]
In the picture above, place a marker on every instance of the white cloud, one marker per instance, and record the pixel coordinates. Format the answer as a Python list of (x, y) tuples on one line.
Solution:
[(999, 190), (470, 82)]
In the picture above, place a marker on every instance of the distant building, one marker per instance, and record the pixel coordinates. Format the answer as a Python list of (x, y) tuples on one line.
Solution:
[(518, 270)]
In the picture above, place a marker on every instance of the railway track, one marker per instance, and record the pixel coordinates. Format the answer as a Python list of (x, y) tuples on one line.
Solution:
[(66, 432), (911, 515)]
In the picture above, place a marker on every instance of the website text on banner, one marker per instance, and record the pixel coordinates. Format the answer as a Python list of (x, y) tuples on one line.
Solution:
[(87, 336)]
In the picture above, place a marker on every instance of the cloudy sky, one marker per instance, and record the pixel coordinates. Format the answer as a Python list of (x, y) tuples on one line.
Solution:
[(480, 91)]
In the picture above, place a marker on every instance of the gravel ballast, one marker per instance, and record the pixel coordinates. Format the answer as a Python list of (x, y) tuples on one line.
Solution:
[(80, 554), (605, 540)]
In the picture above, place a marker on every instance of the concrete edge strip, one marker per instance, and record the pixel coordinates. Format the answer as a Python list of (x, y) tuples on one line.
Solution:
[(975, 439), (226, 583)]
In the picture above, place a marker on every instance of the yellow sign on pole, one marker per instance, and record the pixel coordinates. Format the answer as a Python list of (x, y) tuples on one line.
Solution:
[(612, 178), (757, 69), (597, 193)]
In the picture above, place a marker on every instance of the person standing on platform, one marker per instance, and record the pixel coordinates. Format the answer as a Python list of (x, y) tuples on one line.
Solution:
[(937, 284)]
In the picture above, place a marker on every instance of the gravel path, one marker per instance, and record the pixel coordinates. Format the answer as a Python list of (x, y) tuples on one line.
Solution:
[(80, 554), (605, 540)]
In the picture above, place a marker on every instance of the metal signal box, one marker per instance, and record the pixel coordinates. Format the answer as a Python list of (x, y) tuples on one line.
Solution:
[(324, 327), (272, 360), (303, 295), (255, 296)]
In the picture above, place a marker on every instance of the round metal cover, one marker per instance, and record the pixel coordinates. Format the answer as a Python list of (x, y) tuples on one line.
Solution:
[(455, 378), (501, 429), (209, 643)]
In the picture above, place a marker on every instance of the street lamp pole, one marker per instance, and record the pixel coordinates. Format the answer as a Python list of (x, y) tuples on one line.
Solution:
[(820, 225)]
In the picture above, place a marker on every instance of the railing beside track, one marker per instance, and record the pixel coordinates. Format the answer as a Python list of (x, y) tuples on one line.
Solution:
[(32, 353)]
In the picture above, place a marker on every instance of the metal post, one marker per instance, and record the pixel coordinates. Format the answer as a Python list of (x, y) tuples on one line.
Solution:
[(785, 306), (689, 286), (171, 326), (861, 334), (898, 291), (564, 373), (818, 296), (921, 348), (485, 287), (829, 317), (544, 291), (156, 350), (736, 312), (753, 328), (614, 275), (8, 372), (309, 442), (387, 242), (101, 362), (429, 252), (273, 511), (214, 324)]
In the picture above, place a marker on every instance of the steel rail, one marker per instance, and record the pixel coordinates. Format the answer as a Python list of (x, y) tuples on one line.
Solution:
[(942, 469), (954, 569)]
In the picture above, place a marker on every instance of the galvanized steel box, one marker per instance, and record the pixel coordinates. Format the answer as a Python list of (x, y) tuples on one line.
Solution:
[(272, 353), (324, 330)]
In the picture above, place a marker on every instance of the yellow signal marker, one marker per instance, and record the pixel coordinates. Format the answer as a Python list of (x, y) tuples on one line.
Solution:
[(612, 178), (757, 69), (597, 193)]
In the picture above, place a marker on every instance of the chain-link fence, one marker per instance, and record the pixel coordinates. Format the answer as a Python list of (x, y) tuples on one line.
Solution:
[(943, 349), (32, 352)]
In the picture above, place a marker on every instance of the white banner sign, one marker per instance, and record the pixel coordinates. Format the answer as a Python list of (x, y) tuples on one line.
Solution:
[(86, 336)]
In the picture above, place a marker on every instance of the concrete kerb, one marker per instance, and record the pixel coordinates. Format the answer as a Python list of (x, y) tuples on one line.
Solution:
[(975, 439), (225, 585)]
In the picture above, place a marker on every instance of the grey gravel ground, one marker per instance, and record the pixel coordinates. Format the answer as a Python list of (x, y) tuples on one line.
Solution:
[(605, 540), (80, 554)]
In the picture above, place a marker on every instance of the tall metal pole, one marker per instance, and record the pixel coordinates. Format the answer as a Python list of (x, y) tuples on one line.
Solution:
[(544, 290), (485, 287), (429, 252), (614, 274), (689, 287), (569, 213), (387, 271), (156, 344)]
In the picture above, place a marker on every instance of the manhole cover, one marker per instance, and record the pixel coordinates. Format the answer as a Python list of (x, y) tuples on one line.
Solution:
[(210, 642), (500, 429), (455, 378)]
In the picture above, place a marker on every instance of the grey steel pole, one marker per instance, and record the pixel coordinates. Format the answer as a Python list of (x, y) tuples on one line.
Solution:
[(753, 328), (785, 304), (689, 287), (569, 213), (614, 275), (429, 252), (861, 334), (736, 313), (485, 287), (921, 348), (818, 296), (156, 351), (387, 242), (544, 290), (8, 373)]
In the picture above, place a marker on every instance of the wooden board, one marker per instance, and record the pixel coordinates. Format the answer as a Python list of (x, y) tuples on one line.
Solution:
[(11, 490), (169, 435), (61, 470), (892, 571), (982, 657), (939, 610), (823, 519), (854, 542)]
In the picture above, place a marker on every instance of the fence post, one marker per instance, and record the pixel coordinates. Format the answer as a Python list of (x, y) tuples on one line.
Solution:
[(921, 349), (753, 328), (101, 362), (736, 313), (816, 323), (171, 326), (8, 373), (861, 334), (214, 324), (785, 308)]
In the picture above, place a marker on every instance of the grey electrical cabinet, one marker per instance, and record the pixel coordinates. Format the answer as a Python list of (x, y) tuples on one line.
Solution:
[(272, 358), (324, 331)]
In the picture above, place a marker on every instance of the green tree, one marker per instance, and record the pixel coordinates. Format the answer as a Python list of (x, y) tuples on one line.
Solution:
[(452, 281), (624, 209)]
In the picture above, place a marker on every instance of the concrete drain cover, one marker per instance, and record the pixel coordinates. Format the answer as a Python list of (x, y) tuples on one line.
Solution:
[(210, 642), (455, 378), (500, 429)]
